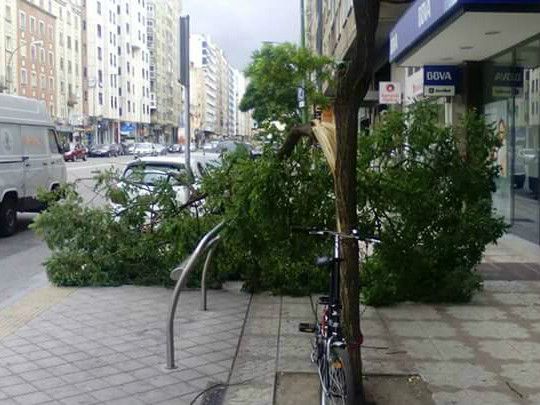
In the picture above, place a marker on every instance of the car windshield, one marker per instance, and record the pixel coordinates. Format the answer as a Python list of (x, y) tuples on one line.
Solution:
[(152, 174)]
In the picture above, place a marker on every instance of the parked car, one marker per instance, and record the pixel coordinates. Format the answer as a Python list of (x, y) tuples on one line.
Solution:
[(103, 151), (175, 148), (142, 175), (75, 152), (162, 150), (129, 148), (144, 149), (30, 158), (119, 150)]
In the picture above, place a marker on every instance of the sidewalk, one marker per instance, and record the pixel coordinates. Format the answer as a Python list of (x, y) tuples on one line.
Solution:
[(107, 345), (486, 352)]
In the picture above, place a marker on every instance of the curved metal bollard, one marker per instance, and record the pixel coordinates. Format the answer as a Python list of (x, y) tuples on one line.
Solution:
[(212, 245), (201, 248)]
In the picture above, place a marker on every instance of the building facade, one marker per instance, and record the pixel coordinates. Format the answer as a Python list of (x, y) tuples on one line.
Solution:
[(34, 57), (165, 90), (69, 83), (213, 89), (244, 120), (116, 74), (466, 54), (8, 44)]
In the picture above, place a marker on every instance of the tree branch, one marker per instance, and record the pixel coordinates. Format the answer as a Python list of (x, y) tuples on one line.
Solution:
[(293, 138)]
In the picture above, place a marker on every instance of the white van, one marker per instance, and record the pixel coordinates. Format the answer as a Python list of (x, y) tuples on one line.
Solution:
[(30, 158)]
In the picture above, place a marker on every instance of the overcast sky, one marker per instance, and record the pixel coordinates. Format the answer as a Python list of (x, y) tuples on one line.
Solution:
[(239, 26)]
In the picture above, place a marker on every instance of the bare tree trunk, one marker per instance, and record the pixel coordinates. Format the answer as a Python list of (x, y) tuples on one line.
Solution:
[(345, 188)]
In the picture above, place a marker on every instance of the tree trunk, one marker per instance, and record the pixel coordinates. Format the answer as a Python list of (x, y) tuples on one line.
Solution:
[(346, 115)]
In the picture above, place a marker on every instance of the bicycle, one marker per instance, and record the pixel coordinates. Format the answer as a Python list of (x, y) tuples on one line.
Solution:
[(330, 353)]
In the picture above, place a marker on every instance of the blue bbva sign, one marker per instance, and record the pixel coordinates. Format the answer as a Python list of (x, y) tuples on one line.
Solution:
[(425, 16), (440, 80)]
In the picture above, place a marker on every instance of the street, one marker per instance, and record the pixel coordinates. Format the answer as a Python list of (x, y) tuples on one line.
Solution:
[(22, 255)]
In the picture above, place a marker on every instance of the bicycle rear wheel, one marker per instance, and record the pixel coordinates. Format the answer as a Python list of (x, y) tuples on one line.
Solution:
[(340, 390)]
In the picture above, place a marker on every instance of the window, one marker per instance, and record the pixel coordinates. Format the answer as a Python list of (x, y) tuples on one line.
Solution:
[(68, 16), (69, 42), (33, 51), (99, 7), (76, 45), (77, 69), (24, 77), (127, 8), (42, 82), (129, 106), (22, 21), (9, 43), (99, 30), (85, 72), (34, 79), (100, 76), (100, 98), (112, 102), (51, 83), (42, 55), (60, 13), (8, 13), (50, 6), (41, 29), (127, 28), (62, 64), (69, 66), (99, 54), (61, 39), (32, 25), (127, 48), (51, 33), (53, 140), (51, 61), (62, 87)]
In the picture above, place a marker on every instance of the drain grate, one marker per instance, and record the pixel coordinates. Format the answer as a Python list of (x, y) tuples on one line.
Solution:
[(510, 271)]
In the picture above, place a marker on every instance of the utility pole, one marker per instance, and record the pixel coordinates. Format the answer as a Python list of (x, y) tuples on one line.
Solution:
[(184, 80), (303, 46)]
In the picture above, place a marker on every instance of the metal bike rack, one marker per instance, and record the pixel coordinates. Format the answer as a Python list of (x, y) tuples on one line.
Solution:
[(208, 242)]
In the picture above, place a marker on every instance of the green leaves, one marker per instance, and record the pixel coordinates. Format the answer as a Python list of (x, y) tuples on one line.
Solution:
[(429, 188), (275, 74)]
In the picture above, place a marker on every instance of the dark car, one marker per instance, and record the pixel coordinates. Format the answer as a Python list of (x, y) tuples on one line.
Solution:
[(118, 149), (75, 152), (175, 148), (103, 151)]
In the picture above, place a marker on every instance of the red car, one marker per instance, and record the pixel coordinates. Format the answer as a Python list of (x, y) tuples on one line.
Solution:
[(75, 152)]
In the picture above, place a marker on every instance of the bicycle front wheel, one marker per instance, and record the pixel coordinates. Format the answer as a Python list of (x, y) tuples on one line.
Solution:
[(339, 380)]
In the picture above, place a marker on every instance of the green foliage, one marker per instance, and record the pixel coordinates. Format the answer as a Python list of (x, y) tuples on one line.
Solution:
[(103, 246), (260, 200), (428, 188), (275, 74)]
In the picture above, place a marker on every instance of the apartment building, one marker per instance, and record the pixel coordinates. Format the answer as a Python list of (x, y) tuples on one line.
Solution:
[(165, 90), (69, 76), (8, 41), (116, 74), (244, 120), (214, 89), (34, 56)]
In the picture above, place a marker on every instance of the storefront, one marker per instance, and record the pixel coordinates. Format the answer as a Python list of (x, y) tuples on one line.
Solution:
[(494, 45)]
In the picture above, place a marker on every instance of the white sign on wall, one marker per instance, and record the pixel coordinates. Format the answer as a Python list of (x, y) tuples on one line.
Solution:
[(389, 93)]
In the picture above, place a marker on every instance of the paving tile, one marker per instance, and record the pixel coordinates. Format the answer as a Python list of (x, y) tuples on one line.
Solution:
[(437, 349), (51, 382), (469, 397), (108, 394), (33, 398), (19, 389), (63, 392), (83, 399), (457, 375), (526, 375), (421, 329), (492, 329)]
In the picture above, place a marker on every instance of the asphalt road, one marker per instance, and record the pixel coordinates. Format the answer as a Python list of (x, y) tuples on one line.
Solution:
[(22, 255)]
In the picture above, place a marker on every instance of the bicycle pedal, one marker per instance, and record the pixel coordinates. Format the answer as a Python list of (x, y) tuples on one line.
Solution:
[(307, 327), (324, 300)]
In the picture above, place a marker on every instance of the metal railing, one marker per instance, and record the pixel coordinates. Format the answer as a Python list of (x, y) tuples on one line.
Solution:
[(207, 243)]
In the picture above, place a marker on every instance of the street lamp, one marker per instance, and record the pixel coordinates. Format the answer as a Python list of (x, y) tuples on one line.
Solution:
[(10, 60)]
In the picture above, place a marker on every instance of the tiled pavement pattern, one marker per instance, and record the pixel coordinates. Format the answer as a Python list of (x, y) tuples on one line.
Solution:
[(271, 343), (487, 352), (108, 346)]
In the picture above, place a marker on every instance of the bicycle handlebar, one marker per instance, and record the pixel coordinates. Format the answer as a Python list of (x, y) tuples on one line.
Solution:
[(355, 234)]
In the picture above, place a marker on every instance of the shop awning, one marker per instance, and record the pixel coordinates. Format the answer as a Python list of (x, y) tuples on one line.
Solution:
[(453, 31)]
